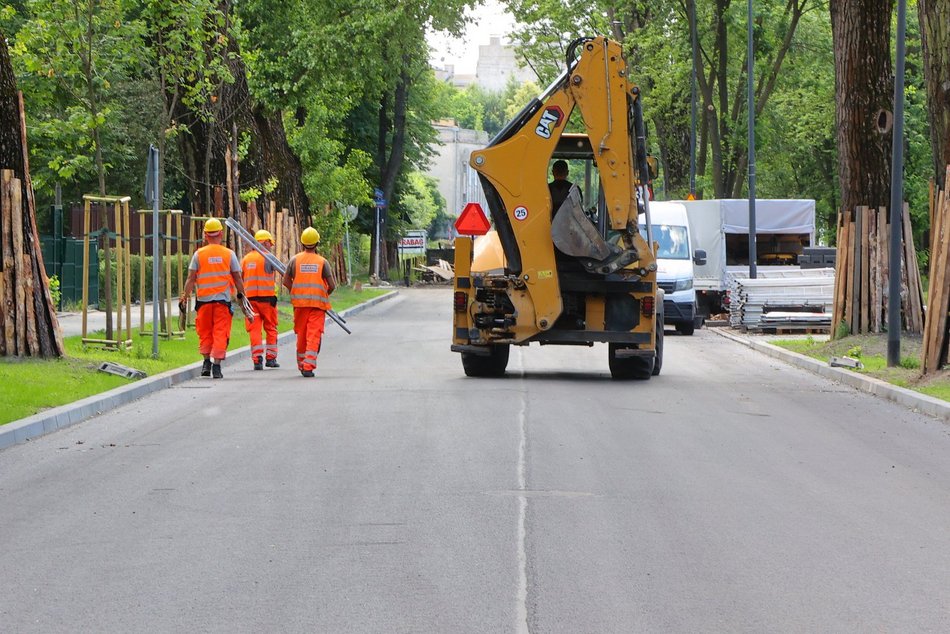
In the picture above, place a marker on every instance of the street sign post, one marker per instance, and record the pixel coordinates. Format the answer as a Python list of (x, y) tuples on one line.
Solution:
[(380, 204)]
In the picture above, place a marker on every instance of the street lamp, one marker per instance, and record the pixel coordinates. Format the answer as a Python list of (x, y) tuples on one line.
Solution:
[(897, 195), (751, 99)]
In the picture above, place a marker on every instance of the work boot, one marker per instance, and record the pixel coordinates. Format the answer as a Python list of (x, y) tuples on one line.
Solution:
[(307, 373), (206, 368), (272, 363), (216, 371), (258, 365)]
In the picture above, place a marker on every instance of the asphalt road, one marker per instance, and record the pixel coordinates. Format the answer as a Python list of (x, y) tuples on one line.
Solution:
[(733, 493)]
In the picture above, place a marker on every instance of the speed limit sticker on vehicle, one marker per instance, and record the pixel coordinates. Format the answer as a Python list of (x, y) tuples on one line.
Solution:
[(520, 213)]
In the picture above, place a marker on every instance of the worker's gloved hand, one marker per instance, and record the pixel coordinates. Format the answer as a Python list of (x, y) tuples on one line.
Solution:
[(182, 305), (246, 308)]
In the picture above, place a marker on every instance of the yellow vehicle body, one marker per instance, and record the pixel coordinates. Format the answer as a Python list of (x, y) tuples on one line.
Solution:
[(578, 276)]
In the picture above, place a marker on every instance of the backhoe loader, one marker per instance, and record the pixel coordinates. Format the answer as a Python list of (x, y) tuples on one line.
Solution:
[(583, 273)]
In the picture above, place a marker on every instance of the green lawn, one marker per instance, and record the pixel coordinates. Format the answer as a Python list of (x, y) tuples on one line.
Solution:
[(871, 350), (28, 386)]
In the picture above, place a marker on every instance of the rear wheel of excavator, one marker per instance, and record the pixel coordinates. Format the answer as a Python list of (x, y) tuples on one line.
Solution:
[(492, 364), (629, 367)]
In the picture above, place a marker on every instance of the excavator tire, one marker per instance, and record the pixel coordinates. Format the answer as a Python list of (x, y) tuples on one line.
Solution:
[(658, 359), (492, 365), (626, 368)]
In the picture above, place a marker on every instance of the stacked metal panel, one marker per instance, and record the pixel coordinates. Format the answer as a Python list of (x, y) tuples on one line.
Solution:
[(792, 298)]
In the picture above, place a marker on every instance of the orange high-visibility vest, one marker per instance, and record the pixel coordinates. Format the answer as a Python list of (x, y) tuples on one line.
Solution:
[(309, 288), (214, 270), (257, 281)]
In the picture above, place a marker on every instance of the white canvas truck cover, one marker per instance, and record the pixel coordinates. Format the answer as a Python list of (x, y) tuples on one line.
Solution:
[(711, 220)]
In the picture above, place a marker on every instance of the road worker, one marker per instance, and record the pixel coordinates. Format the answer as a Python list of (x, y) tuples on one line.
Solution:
[(212, 269), (310, 282), (259, 283)]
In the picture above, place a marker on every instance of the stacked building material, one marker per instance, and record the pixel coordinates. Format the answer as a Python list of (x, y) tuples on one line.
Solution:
[(937, 327), (801, 300)]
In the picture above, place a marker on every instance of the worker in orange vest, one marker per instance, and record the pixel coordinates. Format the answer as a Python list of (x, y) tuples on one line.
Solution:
[(310, 282), (259, 281), (212, 269)]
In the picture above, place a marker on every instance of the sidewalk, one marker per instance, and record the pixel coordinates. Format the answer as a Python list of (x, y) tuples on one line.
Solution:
[(65, 415), (71, 323), (908, 398)]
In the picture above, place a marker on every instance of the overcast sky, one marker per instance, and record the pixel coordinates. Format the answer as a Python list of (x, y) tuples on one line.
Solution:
[(490, 19)]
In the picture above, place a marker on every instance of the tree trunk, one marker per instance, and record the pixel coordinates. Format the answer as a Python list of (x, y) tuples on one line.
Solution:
[(935, 36), (269, 154), (390, 154), (32, 321), (864, 94)]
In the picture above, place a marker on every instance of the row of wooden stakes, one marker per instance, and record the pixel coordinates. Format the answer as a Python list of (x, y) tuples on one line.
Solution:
[(28, 321), (862, 273), (936, 334)]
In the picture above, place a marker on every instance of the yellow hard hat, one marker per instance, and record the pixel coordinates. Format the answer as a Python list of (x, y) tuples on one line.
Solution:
[(310, 237), (263, 235), (213, 225)]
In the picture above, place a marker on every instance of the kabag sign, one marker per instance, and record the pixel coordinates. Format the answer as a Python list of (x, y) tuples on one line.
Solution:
[(413, 243)]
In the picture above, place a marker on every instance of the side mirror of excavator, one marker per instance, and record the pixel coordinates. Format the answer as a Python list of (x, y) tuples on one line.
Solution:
[(653, 166)]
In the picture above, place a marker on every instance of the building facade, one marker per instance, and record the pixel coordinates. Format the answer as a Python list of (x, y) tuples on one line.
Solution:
[(497, 64), (458, 182)]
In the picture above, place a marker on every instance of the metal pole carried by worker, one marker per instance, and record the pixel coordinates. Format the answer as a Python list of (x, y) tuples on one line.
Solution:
[(245, 235), (310, 281), (212, 269), (258, 274)]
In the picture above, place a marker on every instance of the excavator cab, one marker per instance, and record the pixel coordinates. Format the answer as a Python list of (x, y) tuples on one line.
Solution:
[(581, 274)]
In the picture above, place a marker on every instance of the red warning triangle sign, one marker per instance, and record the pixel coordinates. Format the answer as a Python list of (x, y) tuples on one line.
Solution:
[(472, 221)]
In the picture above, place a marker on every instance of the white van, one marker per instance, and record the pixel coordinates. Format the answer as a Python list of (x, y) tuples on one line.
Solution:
[(675, 260)]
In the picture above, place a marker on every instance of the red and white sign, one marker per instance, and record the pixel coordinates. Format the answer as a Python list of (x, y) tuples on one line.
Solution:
[(413, 243), (520, 213)]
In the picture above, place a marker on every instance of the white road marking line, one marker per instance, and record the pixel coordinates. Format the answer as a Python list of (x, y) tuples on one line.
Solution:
[(522, 597)]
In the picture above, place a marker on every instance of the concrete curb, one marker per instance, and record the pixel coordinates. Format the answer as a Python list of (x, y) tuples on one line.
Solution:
[(908, 398), (65, 415)]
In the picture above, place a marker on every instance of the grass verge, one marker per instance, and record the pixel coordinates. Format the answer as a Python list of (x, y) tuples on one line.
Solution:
[(871, 350), (28, 386)]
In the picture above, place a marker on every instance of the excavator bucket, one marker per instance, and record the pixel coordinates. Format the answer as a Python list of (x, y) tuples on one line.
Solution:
[(574, 234)]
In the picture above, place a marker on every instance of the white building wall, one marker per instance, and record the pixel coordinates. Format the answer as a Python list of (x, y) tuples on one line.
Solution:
[(496, 64), (457, 181)]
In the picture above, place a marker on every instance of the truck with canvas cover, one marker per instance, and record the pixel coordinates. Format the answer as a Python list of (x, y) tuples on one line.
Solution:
[(580, 274), (720, 227)]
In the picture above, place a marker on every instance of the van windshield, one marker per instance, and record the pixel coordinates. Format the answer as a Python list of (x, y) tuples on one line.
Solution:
[(673, 241)]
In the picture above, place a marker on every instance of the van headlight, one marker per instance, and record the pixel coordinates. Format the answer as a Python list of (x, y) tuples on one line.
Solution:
[(683, 285)]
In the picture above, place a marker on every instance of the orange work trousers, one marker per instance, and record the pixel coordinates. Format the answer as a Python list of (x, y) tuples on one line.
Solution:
[(308, 324), (213, 324), (266, 320)]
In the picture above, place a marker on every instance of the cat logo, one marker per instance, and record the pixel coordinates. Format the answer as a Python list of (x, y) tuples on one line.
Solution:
[(552, 117)]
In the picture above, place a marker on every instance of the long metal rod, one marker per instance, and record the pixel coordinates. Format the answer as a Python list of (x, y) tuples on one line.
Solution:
[(897, 195), (245, 235)]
